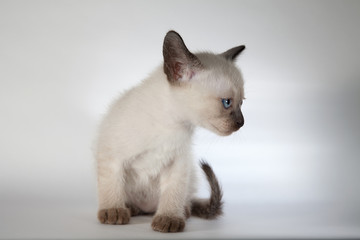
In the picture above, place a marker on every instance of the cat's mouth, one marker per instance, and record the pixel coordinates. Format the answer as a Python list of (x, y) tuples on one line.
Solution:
[(222, 132)]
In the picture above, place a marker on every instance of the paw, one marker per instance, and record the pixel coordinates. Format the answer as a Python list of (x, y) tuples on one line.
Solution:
[(114, 216), (134, 211), (162, 223)]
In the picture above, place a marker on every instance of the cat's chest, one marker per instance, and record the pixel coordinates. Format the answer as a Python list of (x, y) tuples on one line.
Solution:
[(160, 154), (153, 160)]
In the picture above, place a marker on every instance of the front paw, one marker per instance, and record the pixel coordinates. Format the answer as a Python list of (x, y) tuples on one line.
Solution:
[(114, 216), (162, 223)]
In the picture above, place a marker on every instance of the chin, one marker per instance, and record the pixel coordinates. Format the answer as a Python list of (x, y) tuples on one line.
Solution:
[(223, 134), (220, 132)]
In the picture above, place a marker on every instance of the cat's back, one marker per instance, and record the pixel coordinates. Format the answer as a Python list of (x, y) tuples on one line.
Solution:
[(135, 102), (138, 118)]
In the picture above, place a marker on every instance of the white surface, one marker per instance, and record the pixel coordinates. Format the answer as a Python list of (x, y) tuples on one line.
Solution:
[(292, 171), (78, 221)]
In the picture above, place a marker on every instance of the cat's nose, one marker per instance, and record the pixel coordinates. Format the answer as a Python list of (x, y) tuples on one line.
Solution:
[(240, 122), (238, 119)]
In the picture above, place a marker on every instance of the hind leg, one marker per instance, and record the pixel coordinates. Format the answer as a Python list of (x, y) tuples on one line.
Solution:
[(135, 211)]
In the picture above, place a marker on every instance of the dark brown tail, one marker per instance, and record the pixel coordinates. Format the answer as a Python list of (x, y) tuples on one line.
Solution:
[(209, 208)]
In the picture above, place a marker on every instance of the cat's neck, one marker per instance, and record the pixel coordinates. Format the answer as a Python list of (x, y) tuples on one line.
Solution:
[(162, 100)]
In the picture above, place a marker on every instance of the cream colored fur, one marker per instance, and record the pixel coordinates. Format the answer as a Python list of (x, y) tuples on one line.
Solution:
[(143, 151)]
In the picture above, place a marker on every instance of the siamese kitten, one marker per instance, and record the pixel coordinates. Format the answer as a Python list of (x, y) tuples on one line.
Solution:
[(144, 158)]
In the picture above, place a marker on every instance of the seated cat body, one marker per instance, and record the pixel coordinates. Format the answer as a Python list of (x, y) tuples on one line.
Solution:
[(143, 149)]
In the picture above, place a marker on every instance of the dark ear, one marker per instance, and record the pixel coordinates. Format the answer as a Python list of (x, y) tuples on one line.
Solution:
[(232, 53), (179, 63)]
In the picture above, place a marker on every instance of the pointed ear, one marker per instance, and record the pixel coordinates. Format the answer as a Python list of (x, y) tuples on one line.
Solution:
[(179, 63), (232, 53)]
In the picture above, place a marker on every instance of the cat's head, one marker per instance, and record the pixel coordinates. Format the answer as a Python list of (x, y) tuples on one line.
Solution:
[(208, 87)]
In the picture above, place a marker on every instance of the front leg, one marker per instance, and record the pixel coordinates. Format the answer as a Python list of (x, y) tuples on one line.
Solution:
[(111, 194), (174, 196)]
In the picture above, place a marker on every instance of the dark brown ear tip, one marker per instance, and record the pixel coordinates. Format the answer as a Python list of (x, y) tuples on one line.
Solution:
[(232, 53), (174, 37), (172, 33)]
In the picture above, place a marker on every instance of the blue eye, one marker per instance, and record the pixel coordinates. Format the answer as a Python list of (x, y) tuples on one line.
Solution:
[(226, 102)]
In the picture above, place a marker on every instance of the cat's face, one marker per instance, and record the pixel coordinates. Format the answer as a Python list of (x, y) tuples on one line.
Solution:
[(217, 96), (208, 86)]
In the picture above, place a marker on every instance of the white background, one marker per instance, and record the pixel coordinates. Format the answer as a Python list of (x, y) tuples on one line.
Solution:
[(291, 171)]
